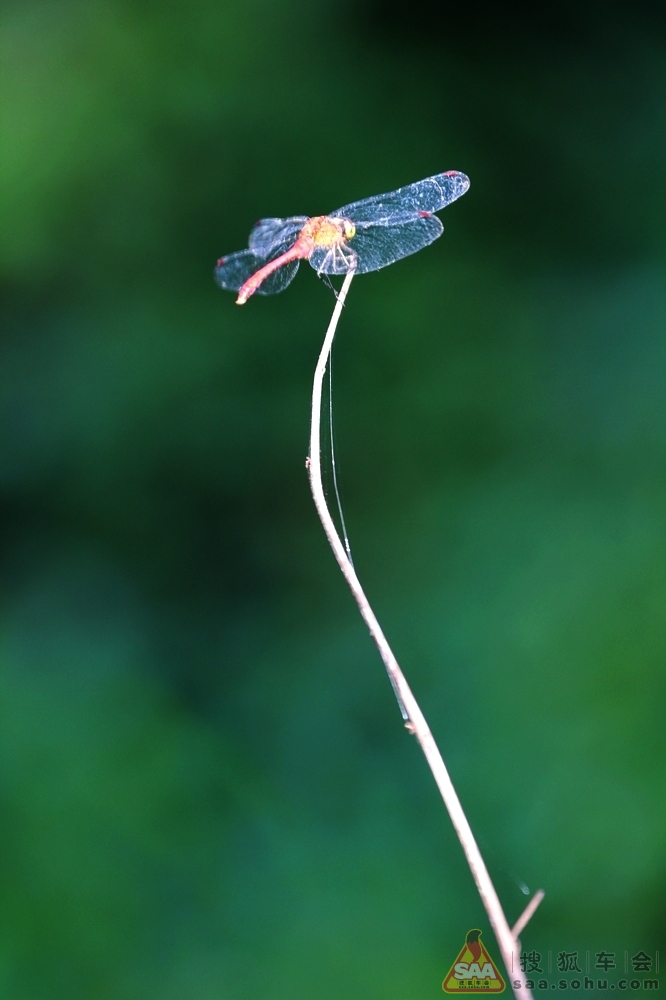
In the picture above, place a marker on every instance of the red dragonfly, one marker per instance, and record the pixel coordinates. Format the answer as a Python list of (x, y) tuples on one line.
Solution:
[(363, 236)]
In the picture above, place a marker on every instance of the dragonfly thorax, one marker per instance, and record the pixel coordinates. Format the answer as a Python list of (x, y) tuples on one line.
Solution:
[(326, 231)]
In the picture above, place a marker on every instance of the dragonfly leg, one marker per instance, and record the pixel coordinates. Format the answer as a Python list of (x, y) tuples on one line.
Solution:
[(327, 281)]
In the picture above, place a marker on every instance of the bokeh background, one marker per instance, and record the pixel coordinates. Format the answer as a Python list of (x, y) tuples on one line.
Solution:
[(206, 788)]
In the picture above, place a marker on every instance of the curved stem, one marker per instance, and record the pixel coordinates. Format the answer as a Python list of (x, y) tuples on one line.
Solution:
[(414, 719)]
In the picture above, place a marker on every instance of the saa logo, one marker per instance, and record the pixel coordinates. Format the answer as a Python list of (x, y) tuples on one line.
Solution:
[(473, 970)]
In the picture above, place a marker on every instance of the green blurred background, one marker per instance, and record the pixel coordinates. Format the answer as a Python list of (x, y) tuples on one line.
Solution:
[(206, 788)]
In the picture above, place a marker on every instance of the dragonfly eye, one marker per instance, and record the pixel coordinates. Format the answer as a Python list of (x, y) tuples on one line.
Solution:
[(349, 229)]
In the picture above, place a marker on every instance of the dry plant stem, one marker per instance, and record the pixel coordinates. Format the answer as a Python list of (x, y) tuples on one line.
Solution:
[(416, 722), (527, 913)]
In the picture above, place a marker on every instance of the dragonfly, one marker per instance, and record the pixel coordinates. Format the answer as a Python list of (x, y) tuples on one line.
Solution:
[(362, 236)]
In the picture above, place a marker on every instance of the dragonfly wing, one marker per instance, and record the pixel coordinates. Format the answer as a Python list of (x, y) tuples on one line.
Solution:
[(429, 195), (233, 271), (339, 259), (269, 233), (278, 280), (377, 246)]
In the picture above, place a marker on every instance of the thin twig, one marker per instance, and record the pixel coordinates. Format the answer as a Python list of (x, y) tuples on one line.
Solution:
[(414, 719), (527, 913)]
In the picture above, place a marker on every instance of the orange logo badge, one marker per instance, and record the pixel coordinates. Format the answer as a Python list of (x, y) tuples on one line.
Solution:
[(473, 970)]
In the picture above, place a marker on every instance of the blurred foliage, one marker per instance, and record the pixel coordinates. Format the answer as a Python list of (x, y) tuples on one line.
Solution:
[(206, 790)]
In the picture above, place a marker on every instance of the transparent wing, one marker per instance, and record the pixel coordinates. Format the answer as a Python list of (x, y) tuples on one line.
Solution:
[(269, 233), (278, 280), (376, 246), (429, 195), (333, 260), (233, 271)]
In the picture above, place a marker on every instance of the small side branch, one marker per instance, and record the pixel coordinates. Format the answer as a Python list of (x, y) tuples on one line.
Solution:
[(414, 718), (527, 913)]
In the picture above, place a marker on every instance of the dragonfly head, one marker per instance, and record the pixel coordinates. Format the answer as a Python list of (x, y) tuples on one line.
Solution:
[(348, 229)]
